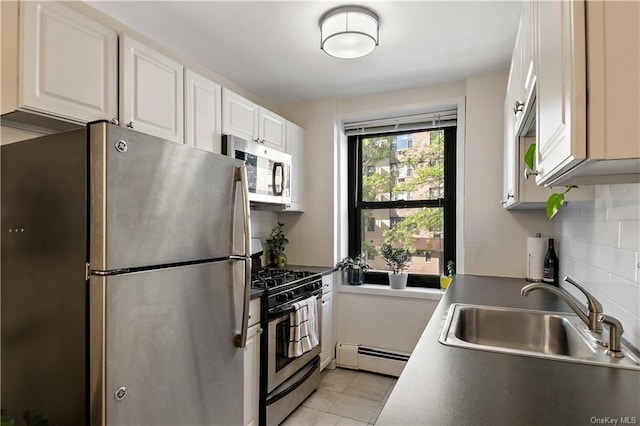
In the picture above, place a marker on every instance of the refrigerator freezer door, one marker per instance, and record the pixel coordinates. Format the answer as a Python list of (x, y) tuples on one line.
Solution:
[(155, 202), (168, 355)]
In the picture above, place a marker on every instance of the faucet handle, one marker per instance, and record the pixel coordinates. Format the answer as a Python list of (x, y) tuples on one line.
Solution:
[(592, 303), (615, 334)]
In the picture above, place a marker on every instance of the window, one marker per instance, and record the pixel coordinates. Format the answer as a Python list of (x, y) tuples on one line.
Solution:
[(408, 201)]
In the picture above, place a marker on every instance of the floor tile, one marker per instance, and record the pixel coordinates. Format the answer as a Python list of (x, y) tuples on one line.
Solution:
[(337, 380), (303, 416), (345, 397), (354, 407), (322, 399)]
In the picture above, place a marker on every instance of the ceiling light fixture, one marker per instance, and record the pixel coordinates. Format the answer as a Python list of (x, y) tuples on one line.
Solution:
[(349, 32)]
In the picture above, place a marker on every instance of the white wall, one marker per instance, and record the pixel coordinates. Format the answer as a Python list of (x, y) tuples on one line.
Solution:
[(312, 234), (387, 322), (600, 247), (494, 238)]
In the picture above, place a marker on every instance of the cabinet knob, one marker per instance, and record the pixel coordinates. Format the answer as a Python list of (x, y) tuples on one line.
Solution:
[(259, 331), (131, 125), (519, 107), (115, 121), (528, 173)]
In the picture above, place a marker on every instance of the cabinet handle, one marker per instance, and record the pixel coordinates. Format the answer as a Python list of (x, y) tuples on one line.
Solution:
[(131, 125), (115, 121), (519, 107), (528, 173)]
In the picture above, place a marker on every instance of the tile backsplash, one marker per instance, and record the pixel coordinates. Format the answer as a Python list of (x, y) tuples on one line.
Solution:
[(600, 245)]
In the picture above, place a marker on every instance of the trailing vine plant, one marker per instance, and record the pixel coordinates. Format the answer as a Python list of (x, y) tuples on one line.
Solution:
[(555, 200)]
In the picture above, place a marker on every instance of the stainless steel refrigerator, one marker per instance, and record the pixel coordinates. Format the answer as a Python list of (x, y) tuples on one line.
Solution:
[(124, 280)]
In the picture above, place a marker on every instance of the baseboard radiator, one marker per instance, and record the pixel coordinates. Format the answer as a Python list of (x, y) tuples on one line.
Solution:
[(377, 360)]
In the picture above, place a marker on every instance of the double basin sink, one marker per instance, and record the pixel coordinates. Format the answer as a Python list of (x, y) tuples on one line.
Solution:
[(541, 334)]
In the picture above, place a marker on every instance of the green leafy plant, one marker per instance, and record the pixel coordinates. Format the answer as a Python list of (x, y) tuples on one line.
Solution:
[(451, 268), (396, 259), (360, 262), (277, 240), (555, 200)]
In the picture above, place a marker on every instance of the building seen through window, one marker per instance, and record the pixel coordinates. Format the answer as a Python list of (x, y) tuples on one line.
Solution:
[(403, 197)]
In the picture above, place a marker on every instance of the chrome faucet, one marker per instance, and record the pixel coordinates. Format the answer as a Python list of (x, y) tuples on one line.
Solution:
[(593, 306)]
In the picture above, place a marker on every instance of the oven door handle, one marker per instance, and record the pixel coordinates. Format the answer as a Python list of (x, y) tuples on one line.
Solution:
[(311, 369)]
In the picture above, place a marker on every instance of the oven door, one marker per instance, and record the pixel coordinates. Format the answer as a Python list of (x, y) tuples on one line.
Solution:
[(279, 366)]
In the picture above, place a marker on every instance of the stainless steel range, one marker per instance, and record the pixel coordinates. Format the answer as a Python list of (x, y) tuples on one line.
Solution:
[(287, 380)]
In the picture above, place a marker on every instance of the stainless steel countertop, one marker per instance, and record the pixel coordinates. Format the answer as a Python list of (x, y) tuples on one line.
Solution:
[(444, 385)]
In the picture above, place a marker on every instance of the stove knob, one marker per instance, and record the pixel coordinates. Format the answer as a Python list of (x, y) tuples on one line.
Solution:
[(318, 285), (282, 297), (290, 295), (309, 287)]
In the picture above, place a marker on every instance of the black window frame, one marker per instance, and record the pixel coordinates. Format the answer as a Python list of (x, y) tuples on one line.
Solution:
[(448, 202)]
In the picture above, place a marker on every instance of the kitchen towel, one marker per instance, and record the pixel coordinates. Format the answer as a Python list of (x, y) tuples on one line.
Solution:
[(536, 249), (303, 327)]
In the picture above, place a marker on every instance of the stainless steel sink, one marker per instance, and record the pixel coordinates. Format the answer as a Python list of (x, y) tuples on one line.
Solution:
[(542, 334)]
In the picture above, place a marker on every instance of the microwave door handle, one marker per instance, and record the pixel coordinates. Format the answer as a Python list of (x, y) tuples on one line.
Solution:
[(240, 340), (275, 184)]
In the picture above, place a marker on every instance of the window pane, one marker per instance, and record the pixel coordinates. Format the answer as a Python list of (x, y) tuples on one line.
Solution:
[(420, 230), (403, 167)]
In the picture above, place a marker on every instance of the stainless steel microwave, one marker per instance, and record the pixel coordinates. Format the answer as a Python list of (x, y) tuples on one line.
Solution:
[(268, 170)]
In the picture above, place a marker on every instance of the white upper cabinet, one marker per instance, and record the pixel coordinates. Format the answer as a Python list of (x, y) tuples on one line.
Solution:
[(239, 116), (247, 120), (203, 112), (151, 91), (271, 129), (295, 148), (66, 65), (561, 103), (594, 140)]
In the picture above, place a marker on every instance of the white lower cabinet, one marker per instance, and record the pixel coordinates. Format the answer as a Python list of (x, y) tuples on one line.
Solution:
[(252, 366), (327, 346)]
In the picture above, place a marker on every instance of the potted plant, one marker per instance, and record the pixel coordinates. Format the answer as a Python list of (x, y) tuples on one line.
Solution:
[(355, 268), (397, 260), (445, 280), (276, 243)]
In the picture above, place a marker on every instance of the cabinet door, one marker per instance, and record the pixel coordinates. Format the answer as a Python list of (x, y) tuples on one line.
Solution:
[(295, 148), (252, 376), (510, 160), (272, 130), (239, 116), (151, 91), (69, 64), (203, 115), (561, 87), (327, 346)]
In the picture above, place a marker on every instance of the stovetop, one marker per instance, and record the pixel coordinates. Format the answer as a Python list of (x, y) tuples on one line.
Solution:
[(269, 278), (283, 287)]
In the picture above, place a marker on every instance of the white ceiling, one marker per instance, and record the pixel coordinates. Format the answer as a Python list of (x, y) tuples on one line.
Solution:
[(272, 49)]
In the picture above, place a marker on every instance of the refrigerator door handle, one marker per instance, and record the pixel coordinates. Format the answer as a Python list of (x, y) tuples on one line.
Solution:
[(240, 340)]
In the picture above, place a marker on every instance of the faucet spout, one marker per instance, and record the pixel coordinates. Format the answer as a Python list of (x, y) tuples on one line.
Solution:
[(594, 308)]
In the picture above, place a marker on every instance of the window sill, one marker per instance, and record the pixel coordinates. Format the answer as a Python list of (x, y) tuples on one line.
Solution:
[(378, 290)]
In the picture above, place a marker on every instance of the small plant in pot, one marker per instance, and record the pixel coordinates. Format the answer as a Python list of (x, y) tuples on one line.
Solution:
[(276, 243), (355, 267), (397, 260)]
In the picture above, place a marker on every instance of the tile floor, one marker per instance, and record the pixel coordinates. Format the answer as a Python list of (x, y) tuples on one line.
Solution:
[(345, 397)]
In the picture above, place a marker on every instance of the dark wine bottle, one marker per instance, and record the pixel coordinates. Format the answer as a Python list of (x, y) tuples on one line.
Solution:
[(550, 268)]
